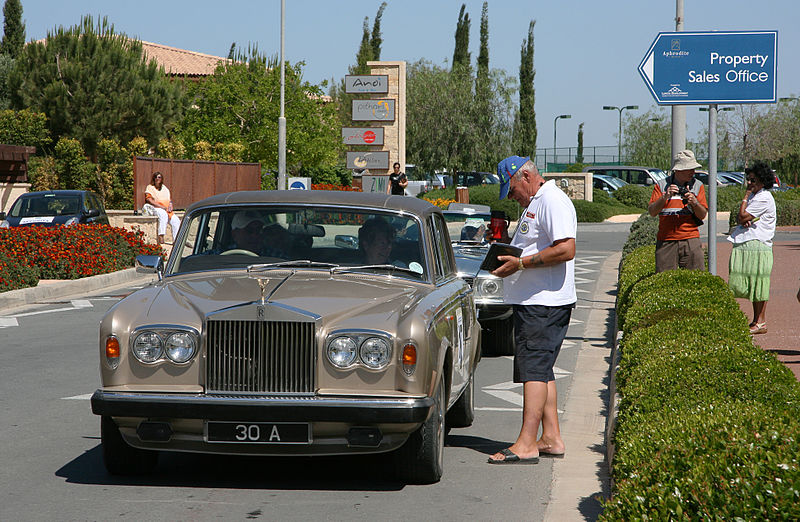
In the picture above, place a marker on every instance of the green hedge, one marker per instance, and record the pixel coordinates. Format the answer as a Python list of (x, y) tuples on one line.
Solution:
[(708, 424), (643, 232), (635, 196)]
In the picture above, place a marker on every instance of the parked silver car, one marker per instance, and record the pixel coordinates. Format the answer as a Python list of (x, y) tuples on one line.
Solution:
[(274, 330)]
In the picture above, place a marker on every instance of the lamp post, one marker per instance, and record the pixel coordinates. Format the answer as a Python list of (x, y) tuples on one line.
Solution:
[(559, 117), (619, 136)]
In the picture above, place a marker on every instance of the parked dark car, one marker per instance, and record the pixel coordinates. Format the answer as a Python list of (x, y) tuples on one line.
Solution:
[(54, 208), (470, 179), (467, 225), (609, 184)]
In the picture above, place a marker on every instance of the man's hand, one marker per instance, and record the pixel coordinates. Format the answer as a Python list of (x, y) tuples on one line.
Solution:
[(509, 266)]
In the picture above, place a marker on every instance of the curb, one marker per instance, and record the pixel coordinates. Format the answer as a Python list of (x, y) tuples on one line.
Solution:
[(27, 296)]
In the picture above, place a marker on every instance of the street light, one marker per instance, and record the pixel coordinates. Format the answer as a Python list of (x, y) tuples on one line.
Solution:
[(559, 117), (620, 109)]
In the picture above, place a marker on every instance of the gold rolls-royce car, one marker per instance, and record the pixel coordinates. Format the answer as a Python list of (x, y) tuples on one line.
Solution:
[(293, 323)]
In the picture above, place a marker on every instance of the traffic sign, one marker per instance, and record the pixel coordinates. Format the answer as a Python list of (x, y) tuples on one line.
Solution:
[(712, 67)]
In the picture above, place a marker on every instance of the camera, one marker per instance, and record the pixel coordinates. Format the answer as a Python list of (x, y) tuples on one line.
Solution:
[(683, 191)]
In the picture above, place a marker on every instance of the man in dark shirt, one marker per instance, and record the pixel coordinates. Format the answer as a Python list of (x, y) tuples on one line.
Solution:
[(397, 181)]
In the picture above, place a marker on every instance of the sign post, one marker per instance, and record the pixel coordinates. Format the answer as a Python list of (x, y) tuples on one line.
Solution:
[(709, 68)]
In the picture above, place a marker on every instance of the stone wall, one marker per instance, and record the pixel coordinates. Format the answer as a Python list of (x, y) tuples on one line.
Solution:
[(147, 224), (577, 185)]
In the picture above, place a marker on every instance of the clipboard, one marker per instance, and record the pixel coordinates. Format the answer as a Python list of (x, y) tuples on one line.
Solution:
[(490, 262)]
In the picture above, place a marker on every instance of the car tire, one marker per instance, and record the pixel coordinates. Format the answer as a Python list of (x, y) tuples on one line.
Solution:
[(420, 460), (498, 337), (462, 413), (119, 457)]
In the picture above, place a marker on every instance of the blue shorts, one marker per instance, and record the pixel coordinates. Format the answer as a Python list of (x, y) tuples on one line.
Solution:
[(538, 333)]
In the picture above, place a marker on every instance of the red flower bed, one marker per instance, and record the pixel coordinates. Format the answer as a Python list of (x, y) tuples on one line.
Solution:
[(330, 186), (67, 252)]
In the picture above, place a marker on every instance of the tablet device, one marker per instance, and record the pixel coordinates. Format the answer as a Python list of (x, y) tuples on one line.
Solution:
[(490, 262)]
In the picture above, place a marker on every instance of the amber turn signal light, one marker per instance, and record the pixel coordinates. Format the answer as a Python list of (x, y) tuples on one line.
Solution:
[(112, 351), (409, 358)]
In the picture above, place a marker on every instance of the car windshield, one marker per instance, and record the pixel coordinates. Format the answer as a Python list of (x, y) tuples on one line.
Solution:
[(467, 227), (267, 237), (658, 173), (46, 205)]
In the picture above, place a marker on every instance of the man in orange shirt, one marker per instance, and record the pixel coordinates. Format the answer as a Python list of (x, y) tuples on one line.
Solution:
[(680, 203)]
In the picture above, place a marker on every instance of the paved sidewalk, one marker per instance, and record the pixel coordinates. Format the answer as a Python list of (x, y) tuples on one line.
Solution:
[(783, 328), (583, 474)]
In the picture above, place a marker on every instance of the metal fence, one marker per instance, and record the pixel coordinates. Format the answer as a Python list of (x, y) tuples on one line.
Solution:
[(553, 160), (189, 181)]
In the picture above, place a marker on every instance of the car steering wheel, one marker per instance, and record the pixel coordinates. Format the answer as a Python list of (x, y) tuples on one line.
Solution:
[(234, 251)]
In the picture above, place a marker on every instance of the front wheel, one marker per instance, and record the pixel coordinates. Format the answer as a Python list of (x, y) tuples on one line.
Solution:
[(421, 459), (119, 457)]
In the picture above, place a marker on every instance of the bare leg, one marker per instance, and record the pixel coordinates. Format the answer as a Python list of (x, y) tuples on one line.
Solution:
[(551, 441), (533, 411), (760, 311)]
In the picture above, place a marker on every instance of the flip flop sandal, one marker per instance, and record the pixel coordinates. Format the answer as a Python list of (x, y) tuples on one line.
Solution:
[(512, 458)]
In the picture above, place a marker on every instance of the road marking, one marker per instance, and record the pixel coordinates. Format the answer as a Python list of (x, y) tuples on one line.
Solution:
[(81, 303), (5, 322), (488, 408), (84, 397)]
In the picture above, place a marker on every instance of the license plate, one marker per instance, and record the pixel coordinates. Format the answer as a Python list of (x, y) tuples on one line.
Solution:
[(258, 432)]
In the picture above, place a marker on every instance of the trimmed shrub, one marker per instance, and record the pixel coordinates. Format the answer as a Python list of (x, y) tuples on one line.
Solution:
[(24, 127), (638, 265), (634, 196), (677, 294), (643, 232)]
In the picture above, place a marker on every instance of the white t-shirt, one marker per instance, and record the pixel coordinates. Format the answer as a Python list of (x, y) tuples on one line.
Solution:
[(550, 216), (760, 205)]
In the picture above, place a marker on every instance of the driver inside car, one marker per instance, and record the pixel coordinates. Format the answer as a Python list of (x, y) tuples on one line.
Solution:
[(247, 227)]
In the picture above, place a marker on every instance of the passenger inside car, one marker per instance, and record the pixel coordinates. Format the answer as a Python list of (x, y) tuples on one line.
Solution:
[(375, 238)]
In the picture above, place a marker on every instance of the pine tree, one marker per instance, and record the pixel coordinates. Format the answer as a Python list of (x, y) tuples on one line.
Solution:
[(376, 40), (13, 29), (461, 55), (525, 130), (93, 83)]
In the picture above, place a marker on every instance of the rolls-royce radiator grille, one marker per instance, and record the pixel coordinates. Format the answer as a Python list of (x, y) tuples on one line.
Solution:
[(260, 357)]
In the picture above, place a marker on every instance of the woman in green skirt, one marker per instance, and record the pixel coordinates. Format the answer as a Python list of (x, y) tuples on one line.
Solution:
[(751, 258)]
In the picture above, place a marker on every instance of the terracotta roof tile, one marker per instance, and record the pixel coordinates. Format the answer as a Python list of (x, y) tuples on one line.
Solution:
[(179, 62)]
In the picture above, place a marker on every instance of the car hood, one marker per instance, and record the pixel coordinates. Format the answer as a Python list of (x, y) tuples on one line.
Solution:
[(187, 300), (468, 259)]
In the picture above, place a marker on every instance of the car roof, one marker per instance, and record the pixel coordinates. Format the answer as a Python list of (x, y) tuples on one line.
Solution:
[(412, 205), (617, 167), (55, 193)]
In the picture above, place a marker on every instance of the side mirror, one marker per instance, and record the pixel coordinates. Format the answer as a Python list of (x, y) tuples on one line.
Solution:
[(91, 213), (150, 265), (2, 215)]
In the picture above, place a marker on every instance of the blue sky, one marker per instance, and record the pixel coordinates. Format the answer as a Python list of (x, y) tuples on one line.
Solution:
[(586, 51)]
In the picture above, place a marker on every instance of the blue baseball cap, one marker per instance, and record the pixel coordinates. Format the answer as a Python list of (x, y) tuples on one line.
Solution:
[(507, 168)]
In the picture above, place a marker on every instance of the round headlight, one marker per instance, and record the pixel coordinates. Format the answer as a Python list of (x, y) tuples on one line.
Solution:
[(375, 353), (180, 347), (147, 347), (490, 287), (342, 352)]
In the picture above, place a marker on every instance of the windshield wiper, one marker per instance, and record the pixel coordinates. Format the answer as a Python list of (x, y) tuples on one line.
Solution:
[(386, 266), (289, 264)]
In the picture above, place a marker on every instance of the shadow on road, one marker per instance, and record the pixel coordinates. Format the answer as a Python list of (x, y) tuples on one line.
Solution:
[(352, 473)]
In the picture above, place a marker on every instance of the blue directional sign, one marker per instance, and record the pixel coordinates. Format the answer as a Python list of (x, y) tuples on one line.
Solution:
[(712, 67)]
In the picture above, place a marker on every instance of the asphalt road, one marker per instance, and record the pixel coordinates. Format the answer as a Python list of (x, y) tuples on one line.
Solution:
[(52, 465)]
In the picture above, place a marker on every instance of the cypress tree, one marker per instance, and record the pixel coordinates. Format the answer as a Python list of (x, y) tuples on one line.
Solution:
[(579, 154), (526, 129), (364, 51), (376, 40), (13, 29), (461, 53), (483, 54)]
